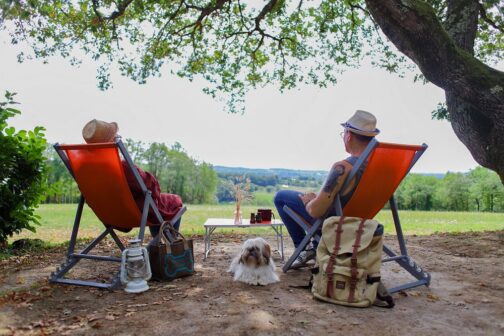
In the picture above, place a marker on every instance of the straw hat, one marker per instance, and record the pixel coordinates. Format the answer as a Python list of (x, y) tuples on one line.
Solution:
[(363, 123), (99, 131)]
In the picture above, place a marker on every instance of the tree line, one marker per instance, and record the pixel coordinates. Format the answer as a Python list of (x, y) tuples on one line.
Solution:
[(478, 190), (198, 182), (177, 173)]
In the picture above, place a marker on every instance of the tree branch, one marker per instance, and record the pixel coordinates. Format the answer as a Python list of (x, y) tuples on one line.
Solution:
[(206, 11), (266, 9), (415, 30), (485, 17), (121, 8)]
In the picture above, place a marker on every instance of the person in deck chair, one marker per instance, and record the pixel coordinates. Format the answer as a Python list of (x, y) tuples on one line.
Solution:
[(97, 131), (358, 131)]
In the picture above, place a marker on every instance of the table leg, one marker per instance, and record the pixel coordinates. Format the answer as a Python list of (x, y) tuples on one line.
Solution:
[(281, 243), (279, 239), (207, 239)]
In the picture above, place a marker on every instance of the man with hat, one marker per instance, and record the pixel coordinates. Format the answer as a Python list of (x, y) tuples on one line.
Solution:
[(358, 131), (97, 131)]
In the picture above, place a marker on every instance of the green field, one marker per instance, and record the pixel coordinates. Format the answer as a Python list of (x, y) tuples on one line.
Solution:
[(57, 220)]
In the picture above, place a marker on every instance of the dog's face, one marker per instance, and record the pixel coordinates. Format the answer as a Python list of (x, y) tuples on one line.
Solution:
[(255, 253), (254, 265)]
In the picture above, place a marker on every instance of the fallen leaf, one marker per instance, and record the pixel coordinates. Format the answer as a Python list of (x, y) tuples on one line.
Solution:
[(432, 297), (96, 325), (25, 305), (38, 324), (137, 305), (414, 293)]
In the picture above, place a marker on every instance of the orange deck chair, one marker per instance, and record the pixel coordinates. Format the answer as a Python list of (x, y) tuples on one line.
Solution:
[(100, 176), (386, 166)]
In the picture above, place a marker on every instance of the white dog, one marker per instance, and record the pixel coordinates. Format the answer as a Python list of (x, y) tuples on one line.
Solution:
[(254, 265)]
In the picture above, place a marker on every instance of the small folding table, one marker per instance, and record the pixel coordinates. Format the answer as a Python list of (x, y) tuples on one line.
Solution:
[(213, 223)]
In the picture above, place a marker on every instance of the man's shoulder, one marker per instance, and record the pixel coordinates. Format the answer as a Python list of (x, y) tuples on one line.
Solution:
[(341, 164)]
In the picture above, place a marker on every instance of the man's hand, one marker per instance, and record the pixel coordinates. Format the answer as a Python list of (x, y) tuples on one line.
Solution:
[(307, 197)]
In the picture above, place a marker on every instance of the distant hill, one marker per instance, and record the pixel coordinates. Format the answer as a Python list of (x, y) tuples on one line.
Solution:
[(436, 175), (281, 173)]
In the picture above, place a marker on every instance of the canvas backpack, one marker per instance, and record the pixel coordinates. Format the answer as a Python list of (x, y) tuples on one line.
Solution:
[(349, 260)]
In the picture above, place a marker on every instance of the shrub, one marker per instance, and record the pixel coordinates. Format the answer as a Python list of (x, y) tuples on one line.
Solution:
[(22, 173)]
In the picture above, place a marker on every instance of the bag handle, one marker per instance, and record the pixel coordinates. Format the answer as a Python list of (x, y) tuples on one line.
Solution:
[(173, 234)]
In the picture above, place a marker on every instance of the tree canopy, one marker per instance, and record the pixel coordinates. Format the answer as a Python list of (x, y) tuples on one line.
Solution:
[(239, 45)]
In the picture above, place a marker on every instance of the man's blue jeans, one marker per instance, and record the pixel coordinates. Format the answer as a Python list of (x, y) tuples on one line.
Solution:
[(292, 200)]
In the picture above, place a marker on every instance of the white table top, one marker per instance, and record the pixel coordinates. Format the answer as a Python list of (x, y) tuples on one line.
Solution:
[(229, 222)]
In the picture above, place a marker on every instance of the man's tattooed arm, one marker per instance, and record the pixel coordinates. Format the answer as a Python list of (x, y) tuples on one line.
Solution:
[(333, 179)]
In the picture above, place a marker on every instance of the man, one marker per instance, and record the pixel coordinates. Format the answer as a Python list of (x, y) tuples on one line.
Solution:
[(358, 131), (97, 131)]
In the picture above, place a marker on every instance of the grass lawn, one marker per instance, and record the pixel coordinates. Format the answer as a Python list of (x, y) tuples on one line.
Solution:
[(57, 221)]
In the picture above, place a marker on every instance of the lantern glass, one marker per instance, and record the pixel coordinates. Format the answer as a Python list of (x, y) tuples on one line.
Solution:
[(136, 267)]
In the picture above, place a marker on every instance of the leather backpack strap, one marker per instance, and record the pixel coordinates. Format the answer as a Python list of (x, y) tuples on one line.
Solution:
[(332, 259), (353, 261)]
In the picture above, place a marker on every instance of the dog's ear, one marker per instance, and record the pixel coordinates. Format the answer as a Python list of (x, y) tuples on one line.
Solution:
[(243, 259), (266, 252)]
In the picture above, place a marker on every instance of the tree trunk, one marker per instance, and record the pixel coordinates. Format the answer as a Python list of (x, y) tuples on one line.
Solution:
[(474, 91)]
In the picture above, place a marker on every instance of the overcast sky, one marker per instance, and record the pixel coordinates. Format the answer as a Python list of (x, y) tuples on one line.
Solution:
[(298, 129)]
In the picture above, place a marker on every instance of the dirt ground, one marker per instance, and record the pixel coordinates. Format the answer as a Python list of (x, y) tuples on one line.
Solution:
[(466, 297)]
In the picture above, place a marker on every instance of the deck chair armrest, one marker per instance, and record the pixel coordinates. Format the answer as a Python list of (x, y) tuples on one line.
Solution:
[(178, 214)]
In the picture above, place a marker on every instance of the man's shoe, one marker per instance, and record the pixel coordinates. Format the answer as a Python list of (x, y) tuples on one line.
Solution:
[(303, 258)]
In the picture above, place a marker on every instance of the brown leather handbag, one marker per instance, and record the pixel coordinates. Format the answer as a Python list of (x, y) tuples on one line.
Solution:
[(170, 258)]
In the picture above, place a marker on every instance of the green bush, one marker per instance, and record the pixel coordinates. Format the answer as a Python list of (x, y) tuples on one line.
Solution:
[(22, 173)]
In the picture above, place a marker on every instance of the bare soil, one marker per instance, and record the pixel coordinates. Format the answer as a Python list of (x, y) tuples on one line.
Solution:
[(466, 297)]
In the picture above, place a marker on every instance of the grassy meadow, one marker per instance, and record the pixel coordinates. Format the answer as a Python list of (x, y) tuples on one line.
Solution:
[(57, 220)]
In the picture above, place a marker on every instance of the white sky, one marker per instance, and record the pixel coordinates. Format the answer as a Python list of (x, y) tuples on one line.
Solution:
[(298, 129)]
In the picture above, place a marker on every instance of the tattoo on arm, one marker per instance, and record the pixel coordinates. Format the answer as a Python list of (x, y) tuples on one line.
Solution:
[(333, 178)]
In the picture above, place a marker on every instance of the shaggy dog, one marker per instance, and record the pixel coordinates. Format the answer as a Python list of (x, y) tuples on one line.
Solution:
[(254, 265)]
